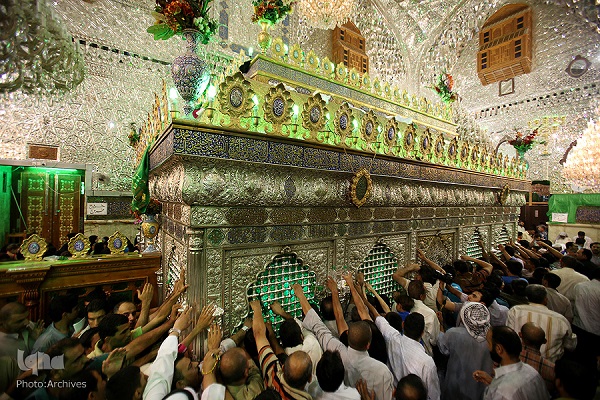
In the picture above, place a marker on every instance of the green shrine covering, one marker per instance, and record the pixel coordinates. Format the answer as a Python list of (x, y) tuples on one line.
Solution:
[(568, 204)]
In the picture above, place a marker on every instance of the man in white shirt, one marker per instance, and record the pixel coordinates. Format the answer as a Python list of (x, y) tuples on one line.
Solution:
[(514, 380), (357, 363), (330, 380), (416, 290), (587, 320), (556, 301), (557, 328), (569, 277)]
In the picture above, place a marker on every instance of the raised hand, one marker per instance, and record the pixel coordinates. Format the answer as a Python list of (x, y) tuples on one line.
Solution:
[(277, 308), (421, 255), (184, 320), (331, 285), (146, 294), (215, 334), (114, 362), (348, 278), (206, 317), (298, 290)]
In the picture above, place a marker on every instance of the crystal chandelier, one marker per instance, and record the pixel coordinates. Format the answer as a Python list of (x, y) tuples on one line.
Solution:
[(325, 14), (582, 167), (37, 54)]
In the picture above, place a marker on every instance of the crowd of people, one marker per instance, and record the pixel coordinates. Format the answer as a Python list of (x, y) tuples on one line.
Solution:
[(520, 322)]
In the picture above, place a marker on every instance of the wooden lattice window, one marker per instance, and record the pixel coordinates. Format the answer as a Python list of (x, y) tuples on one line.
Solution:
[(349, 48), (505, 44)]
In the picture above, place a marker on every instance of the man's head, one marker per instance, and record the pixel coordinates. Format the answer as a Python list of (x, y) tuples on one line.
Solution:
[(595, 248), (416, 290), (514, 267), (326, 307), (64, 308), (114, 330), (96, 310), (504, 344), (414, 326), (74, 359), (532, 335), (404, 303), (461, 266), (290, 333), (89, 339), (570, 262), (234, 366), (584, 255), (297, 369), (411, 387), (581, 234), (129, 310), (88, 384), (187, 373), (395, 320), (536, 294), (359, 336), (14, 318), (476, 319), (330, 371), (13, 249), (579, 242), (127, 384), (551, 280), (519, 287)]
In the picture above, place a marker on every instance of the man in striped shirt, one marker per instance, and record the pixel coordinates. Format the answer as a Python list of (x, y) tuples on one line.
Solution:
[(290, 379), (533, 337)]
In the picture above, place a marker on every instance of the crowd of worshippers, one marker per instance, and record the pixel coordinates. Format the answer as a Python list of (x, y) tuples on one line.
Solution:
[(98, 246), (520, 322)]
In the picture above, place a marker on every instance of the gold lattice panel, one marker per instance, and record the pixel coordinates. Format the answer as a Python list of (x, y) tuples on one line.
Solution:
[(438, 248), (378, 268), (501, 236)]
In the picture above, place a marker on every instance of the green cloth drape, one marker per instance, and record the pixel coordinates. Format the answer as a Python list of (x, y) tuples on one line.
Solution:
[(141, 191), (568, 203)]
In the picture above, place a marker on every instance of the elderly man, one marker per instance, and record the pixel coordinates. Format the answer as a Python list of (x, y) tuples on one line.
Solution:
[(533, 338), (513, 380), (557, 328), (468, 351)]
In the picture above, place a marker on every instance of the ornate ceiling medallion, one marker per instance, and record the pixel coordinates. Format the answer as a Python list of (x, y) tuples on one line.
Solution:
[(343, 122), (361, 187), (33, 248), (278, 106), (368, 128), (79, 245), (235, 96), (313, 114)]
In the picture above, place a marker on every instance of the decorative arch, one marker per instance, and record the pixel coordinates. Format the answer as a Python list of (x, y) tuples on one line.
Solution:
[(378, 267)]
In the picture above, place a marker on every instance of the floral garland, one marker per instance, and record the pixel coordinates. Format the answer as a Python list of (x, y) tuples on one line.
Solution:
[(523, 143), (443, 88), (271, 11), (174, 16)]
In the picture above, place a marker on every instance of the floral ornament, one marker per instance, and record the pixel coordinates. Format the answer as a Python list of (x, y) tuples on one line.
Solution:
[(426, 142), (483, 158), (368, 127), (453, 150), (278, 47), (397, 96), (174, 16), (443, 88), (409, 137), (271, 11), (354, 77), (154, 207), (313, 113), (390, 136), (343, 122), (327, 67), (235, 96), (341, 72), (278, 105), (377, 86), (405, 98), (365, 82), (438, 146), (475, 155), (387, 90), (134, 135), (312, 61), (464, 152), (296, 55), (523, 143)]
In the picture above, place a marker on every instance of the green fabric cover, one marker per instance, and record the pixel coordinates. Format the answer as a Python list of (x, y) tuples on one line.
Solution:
[(568, 203), (141, 191)]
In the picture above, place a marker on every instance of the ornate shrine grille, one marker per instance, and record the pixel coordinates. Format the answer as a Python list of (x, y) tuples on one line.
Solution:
[(378, 268), (502, 237), (275, 284), (473, 249)]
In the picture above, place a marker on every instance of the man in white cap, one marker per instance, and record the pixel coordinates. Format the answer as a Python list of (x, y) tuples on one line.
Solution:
[(468, 351), (562, 239)]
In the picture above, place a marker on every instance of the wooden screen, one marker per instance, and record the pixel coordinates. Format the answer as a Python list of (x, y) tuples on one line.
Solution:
[(349, 48), (505, 44)]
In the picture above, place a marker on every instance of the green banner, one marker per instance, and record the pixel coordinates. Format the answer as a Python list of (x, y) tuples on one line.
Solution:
[(141, 191), (568, 203)]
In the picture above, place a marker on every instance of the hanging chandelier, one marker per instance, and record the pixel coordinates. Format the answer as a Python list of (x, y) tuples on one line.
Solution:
[(326, 14), (37, 53), (582, 167)]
